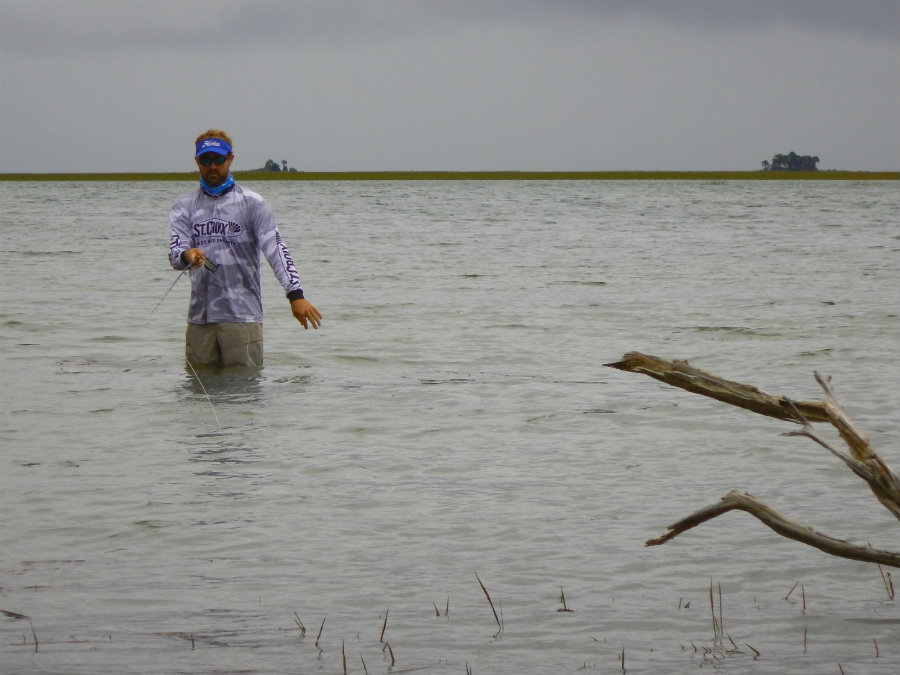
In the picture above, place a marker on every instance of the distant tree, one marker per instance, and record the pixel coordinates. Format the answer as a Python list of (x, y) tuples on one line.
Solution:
[(792, 162), (765, 165), (271, 165)]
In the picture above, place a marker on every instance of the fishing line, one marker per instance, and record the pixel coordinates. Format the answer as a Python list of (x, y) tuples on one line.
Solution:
[(166, 294), (200, 382), (212, 267), (208, 264)]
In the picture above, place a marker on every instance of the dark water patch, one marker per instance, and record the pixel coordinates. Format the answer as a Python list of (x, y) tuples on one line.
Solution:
[(734, 330), (578, 282)]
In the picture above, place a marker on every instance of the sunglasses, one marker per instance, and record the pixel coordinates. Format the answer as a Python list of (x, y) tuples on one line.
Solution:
[(209, 160)]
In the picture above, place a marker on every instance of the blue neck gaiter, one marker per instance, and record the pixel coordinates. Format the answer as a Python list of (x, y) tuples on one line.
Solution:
[(216, 191)]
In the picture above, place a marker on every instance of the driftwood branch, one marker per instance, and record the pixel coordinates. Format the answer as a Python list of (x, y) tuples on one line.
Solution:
[(783, 526), (862, 460), (684, 376)]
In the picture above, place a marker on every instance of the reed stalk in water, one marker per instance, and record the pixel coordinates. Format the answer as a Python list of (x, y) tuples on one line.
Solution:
[(491, 603)]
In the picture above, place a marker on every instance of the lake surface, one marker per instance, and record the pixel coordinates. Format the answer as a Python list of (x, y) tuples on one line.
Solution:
[(451, 418)]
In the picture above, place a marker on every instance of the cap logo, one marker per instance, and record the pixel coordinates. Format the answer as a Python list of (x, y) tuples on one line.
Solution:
[(216, 145)]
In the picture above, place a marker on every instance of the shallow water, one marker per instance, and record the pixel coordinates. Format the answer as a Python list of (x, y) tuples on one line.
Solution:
[(452, 417)]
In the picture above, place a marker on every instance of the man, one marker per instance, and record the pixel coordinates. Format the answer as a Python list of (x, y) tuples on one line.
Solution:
[(219, 231)]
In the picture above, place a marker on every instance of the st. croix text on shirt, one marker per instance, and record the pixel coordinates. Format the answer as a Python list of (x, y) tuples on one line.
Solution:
[(217, 227)]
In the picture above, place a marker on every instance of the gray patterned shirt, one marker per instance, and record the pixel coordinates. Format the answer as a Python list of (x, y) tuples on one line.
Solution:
[(232, 230)]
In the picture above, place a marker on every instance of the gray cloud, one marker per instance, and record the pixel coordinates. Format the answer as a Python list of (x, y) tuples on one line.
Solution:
[(450, 84), (60, 25)]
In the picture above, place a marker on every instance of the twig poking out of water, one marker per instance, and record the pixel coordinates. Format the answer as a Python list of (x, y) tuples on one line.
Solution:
[(792, 590), (718, 624), (437, 612), (755, 651), (491, 603), (365, 670), (468, 670), (13, 615), (300, 625), (562, 599), (721, 620), (344, 657), (387, 645), (447, 608), (22, 617), (841, 668), (321, 628), (875, 642), (192, 642), (622, 659), (888, 584), (384, 625), (803, 595)]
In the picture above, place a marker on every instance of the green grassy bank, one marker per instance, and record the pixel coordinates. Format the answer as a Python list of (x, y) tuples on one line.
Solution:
[(471, 175)]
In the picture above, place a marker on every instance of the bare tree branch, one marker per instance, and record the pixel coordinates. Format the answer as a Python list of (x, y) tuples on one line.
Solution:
[(882, 479), (863, 460), (783, 526), (684, 376)]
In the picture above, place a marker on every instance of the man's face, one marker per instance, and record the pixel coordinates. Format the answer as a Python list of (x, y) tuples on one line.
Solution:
[(215, 174)]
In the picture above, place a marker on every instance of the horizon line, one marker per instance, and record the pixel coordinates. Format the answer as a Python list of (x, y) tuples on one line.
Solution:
[(468, 174)]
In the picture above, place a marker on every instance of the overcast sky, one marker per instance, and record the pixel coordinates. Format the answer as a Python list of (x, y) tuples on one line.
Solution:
[(126, 85)]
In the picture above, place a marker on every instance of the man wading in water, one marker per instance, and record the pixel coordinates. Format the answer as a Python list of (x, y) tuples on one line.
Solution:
[(220, 229)]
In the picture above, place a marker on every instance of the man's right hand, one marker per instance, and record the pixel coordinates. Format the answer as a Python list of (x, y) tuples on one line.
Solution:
[(195, 257)]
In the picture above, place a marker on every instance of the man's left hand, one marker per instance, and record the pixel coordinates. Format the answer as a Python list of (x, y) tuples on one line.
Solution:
[(305, 313)]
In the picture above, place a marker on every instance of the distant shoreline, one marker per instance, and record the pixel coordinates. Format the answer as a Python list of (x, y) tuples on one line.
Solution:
[(467, 175)]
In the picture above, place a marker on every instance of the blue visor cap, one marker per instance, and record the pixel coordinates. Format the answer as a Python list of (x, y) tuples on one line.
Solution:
[(216, 145)]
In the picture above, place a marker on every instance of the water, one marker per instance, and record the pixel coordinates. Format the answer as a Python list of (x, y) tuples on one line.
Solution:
[(452, 417)]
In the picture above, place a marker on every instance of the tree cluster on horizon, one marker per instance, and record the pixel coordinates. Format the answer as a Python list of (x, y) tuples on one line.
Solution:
[(791, 162), (272, 165)]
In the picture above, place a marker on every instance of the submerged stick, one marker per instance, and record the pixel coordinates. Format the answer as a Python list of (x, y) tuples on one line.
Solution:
[(300, 625), (321, 628), (888, 584), (491, 603), (792, 590), (387, 645), (384, 625), (22, 617)]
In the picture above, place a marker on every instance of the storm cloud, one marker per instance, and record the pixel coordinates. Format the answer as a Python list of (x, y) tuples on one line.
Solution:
[(455, 84)]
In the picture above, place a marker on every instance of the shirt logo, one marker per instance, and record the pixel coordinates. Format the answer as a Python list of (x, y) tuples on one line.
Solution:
[(217, 227)]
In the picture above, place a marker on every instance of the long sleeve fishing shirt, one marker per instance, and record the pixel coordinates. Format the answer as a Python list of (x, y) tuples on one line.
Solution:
[(232, 230)]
